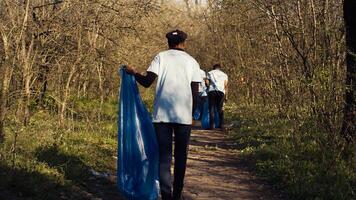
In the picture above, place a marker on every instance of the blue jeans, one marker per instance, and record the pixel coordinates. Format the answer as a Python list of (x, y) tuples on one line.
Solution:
[(164, 133)]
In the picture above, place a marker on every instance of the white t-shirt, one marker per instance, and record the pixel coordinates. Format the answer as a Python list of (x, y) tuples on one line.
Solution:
[(202, 86), (173, 101), (217, 80)]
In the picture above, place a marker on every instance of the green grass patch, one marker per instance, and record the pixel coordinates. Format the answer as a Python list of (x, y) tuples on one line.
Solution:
[(303, 160), (51, 161)]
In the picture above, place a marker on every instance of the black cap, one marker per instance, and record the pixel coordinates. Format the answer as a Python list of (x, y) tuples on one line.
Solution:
[(176, 37)]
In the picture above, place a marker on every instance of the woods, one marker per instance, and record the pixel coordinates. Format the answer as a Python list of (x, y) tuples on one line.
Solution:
[(291, 67), (348, 126), (50, 50)]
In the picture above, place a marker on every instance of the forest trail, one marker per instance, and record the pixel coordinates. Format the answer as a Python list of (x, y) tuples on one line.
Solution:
[(215, 171)]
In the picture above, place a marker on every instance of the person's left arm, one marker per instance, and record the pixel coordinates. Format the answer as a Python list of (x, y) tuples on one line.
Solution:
[(226, 89), (195, 81), (195, 91)]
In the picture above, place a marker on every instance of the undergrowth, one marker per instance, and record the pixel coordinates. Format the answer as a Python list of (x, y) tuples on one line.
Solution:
[(52, 161), (305, 162)]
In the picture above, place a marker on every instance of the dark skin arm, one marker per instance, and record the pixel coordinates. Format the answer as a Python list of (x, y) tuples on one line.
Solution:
[(144, 80), (226, 90), (195, 91)]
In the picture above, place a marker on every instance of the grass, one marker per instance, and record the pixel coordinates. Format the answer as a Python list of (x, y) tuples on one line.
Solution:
[(305, 162), (52, 161)]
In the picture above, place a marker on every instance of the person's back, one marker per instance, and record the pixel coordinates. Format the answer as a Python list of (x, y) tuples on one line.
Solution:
[(217, 94), (218, 79), (175, 69), (203, 85)]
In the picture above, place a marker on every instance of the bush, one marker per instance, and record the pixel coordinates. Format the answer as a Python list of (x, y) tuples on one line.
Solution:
[(307, 163)]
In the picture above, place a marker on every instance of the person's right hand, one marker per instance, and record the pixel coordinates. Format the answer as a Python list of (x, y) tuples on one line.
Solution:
[(130, 70)]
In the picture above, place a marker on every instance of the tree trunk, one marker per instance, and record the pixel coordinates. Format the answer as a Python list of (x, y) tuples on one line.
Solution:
[(6, 77), (3, 98), (43, 78), (27, 75), (65, 96), (99, 68), (348, 125)]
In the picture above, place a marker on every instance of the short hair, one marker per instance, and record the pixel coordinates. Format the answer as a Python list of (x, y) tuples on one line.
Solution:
[(176, 37), (216, 66)]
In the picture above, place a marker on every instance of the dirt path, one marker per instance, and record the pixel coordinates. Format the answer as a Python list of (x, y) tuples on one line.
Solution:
[(215, 171)]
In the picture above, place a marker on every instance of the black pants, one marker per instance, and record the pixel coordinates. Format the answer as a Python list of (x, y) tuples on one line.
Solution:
[(164, 133), (216, 101)]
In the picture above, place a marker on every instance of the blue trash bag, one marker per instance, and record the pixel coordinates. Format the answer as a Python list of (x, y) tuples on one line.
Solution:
[(205, 119), (197, 112), (137, 174)]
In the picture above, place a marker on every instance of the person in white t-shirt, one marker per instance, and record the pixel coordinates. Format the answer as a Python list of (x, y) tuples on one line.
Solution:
[(217, 94), (203, 85), (178, 77), (203, 92)]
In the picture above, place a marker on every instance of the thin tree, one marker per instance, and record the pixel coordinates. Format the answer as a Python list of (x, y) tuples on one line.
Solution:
[(348, 126)]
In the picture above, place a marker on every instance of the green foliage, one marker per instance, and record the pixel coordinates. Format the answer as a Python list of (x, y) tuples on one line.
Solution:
[(92, 109), (51, 161), (305, 162), (148, 98)]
